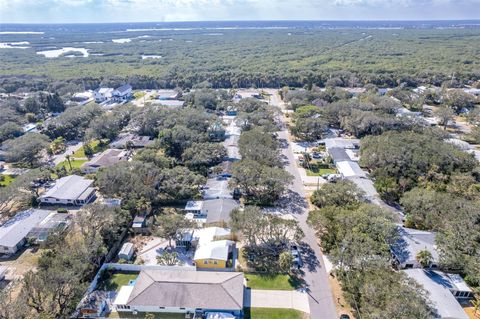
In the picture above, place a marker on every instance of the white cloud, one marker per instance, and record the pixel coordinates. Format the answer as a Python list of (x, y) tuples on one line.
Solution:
[(182, 10)]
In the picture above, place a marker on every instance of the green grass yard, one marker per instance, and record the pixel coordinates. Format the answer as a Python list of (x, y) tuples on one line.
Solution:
[(272, 282), (273, 313), (96, 147), (117, 280), (74, 162), (317, 169), (5, 180)]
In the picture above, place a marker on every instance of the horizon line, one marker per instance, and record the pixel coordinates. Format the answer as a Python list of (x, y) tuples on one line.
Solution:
[(248, 20)]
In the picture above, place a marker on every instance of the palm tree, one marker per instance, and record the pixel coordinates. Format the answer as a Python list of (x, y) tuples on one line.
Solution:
[(68, 159), (425, 258)]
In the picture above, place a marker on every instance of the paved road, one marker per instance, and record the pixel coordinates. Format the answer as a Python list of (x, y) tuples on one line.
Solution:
[(57, 159), (320, 295)]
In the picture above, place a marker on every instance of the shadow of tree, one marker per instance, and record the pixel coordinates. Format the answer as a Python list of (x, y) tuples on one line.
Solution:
[(308, 256)]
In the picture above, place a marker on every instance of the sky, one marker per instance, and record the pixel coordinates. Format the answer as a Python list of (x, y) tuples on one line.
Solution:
[(100, 11)]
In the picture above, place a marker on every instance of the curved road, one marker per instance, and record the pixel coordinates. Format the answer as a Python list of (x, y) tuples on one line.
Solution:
[(320, 295)]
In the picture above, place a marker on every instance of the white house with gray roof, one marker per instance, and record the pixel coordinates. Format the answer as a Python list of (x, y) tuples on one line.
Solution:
[(122, 93), (410, 243), (182, 291), (69, 190), (13, 233)]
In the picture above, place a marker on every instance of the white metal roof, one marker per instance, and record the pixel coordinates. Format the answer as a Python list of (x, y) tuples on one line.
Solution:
[(207, 235), (16, 228), (68, 187), (350, 169), (214, 250), (127, 249)]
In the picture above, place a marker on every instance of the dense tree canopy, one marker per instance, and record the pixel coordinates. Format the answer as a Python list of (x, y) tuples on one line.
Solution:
[(401, 160), (26, 149)]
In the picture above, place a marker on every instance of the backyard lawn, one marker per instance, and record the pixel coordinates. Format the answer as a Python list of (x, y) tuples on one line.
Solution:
[(116, 281), (272, 282), (273, 313), (74, 162), (6, 179)]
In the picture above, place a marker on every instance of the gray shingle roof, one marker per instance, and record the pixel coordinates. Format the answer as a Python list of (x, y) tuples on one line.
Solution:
[(218, 210), (68, 187), (15, 229), (188, 289)]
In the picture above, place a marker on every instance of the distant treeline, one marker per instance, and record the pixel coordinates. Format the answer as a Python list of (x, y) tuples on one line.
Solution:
[(227, 81)]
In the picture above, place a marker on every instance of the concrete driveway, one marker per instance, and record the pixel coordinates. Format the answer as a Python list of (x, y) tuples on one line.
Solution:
[(276, 299)]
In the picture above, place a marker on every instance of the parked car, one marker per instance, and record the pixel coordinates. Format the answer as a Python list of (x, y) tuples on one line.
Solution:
[(332, 178), (297, 259), (237, 193), (316, 155), (344, 316)]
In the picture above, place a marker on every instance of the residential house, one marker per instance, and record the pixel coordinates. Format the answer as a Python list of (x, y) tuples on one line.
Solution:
[(188, 292), (218, 210), (105, 159), (232, 110), (345, 143), (216, 131), (126, 252), (355, 91), (195, 208), (102, 94), (213, 247), (13, 233), (442, 289), (350, 169), (126, 140), (112, 202), (409, 244), (214, 255), (166, 95), (69, 190), (30, 127), (122, 93), (139, 225), (338, 154)]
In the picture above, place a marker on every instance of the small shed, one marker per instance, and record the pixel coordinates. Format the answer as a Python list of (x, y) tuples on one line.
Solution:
[(126, 252)]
